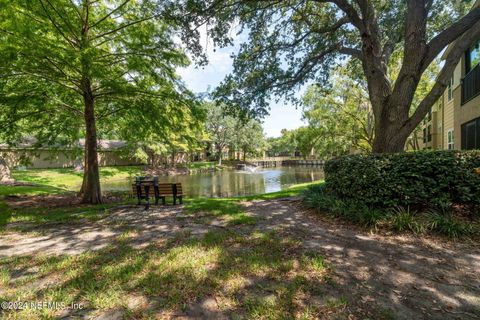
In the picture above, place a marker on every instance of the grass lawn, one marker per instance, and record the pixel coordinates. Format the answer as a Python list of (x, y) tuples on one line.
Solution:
[(259, 275), (69, 179), (231, 208), (55, 182)]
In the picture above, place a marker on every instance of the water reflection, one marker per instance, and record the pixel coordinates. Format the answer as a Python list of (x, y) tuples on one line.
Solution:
[(229, 183)]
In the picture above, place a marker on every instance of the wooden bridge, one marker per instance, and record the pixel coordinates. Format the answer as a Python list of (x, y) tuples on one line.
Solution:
[(277, 163)]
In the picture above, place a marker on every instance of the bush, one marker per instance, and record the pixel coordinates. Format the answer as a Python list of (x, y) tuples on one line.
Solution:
[(447, 225), (405, 220), (318, 198), (424, 178), (400, 219)]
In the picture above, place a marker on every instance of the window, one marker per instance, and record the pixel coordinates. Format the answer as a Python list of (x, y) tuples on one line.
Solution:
[(429, 133), (471, 135), (450, 140), (472, 57), (424, 135), (449, 89), (429, 115)]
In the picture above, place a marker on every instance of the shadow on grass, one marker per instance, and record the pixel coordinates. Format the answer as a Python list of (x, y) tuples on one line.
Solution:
[(220, 207), (259, 275), (38, 216)]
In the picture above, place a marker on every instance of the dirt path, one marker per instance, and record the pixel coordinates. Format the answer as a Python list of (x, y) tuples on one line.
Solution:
[(413, 278)]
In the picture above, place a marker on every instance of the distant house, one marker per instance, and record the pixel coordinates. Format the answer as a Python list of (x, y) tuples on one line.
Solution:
[(110, 153), (454, 121)]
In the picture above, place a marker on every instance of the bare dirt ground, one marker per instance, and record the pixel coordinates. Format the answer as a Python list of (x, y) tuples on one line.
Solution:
[(414, 278)]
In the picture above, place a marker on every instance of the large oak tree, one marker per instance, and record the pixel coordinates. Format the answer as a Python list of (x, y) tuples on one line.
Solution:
[(294, 42), (69, 68)]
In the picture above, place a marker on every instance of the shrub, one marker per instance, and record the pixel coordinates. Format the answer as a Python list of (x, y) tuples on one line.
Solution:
[(317, 197), (405, 220), (447, 225), (424, 178)]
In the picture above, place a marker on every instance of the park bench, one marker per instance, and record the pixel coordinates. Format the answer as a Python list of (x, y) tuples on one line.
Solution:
[(145, 188), (170, 190)]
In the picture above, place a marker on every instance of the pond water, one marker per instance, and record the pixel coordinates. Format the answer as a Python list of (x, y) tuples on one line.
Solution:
[(230, 183)]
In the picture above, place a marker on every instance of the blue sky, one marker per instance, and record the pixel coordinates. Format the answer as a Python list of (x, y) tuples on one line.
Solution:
[(281, 116)]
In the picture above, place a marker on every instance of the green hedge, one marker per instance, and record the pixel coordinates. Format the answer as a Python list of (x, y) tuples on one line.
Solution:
[(424, 178)]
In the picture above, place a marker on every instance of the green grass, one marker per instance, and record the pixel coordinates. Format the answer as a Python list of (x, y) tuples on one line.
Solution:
[(69, 179), (292, 191), (56, 181), (258, 275), (29, 190), (231, 208), (63, 214)]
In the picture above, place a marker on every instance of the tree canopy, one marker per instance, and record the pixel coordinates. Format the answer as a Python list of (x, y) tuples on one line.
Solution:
[(294, 42), (74, 69)]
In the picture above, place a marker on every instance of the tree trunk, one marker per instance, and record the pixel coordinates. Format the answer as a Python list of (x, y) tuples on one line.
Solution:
[(220, 157), (91, 177), (173, 159), (390, 136), (5, 176)]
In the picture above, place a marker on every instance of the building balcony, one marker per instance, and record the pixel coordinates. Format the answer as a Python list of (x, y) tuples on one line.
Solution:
[(471, 85)]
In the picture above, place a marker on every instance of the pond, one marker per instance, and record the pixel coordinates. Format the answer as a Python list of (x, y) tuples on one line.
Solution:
[(231, 183)]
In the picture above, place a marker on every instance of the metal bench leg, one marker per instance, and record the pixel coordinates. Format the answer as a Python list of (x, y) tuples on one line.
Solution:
[(139, 194), (174, 200), (147, 198)]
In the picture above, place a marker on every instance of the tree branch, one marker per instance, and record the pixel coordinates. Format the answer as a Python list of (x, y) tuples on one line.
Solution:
[(351, 52), (109, 14), (124, 26), (451, 61), (439, 42), (50, 18)]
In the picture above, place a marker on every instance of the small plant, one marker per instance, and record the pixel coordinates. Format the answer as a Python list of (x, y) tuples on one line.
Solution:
[(371, 217), (447, 225), (404, 220)]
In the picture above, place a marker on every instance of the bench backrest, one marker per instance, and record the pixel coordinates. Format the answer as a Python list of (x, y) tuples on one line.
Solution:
[(179, 189), (164, 189), (151, 190)]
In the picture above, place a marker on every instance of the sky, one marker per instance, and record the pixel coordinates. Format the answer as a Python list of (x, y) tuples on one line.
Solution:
[(282, 116)]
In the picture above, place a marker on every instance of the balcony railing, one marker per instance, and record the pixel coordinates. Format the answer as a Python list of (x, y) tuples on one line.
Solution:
[(471, 84)]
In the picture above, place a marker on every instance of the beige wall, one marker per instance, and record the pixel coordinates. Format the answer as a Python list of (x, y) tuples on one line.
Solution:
[(448, 118), (468, 111), (43, 159)]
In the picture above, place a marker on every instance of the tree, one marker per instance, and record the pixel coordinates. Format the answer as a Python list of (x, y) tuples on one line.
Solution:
[(5, 176), (307, 138), (70, 68), (249, 138), (285, 145), (179, 129), (221, 128), (291, 43), (341, 112)]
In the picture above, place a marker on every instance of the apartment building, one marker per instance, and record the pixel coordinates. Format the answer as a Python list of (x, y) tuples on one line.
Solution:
[(454, 121)]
